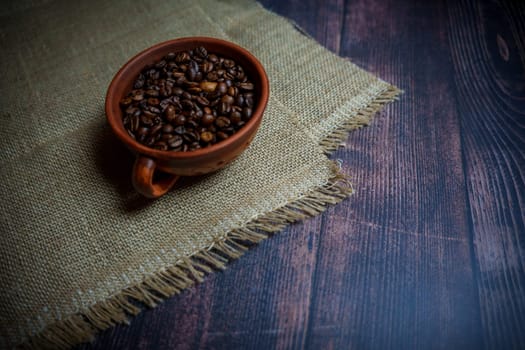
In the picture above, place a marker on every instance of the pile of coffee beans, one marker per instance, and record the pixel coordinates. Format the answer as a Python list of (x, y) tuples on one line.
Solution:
[(187, 101)]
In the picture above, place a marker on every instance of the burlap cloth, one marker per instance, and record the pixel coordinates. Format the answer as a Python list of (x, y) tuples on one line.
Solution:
[(80, 249)]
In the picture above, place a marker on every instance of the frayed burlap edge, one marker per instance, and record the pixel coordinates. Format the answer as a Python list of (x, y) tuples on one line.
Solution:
[(82, 327), (363, 117)]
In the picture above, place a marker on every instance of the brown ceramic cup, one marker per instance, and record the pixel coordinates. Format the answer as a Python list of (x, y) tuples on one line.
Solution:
[(176, 164)]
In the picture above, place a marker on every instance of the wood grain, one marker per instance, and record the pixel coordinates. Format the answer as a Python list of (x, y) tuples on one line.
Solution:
[(430, 251), (488, 55)]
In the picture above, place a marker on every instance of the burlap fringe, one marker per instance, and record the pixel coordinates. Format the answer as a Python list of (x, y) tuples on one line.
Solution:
[(154, 289), (362, 118)]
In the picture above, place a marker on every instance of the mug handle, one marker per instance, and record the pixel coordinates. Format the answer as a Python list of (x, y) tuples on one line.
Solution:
[(142, 178)]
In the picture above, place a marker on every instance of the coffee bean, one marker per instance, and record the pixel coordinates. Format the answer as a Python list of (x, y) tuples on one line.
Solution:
[(180, 120), (206, 136), (202, 101), (153, 101), (166, 137), (152, 93), (222, 122), (126, 101), (222, 135), (155, 129), (176, 141), (142, 131), (224, 108), (227, 99), (235, 117), (201, 51), (207, 119), (187, 104), (188, 100), (161, 145), (167, 129), (194, 90), (134, 123), (239, 100), (182, 57), (227, 63), (247, 112), (207, 67), (207, 86), (246, 86), (179, 130), (138, 97)]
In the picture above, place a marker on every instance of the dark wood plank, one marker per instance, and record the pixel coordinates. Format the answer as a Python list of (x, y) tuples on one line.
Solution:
[(488, 50), (397, 257)]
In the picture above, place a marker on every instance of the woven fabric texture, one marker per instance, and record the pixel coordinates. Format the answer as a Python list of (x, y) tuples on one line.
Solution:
[(76, 238)]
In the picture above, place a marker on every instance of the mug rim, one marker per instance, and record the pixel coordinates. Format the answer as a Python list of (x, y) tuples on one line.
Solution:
[(113, 101)]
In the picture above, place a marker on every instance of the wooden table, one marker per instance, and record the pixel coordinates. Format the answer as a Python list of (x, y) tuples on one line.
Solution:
[(430, 251)]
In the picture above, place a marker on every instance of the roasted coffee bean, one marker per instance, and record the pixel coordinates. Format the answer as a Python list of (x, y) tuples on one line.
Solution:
[(222, 122), (138, 97), (134, 123), (152, 93), (212, 76), (202, 101), (161, 145), (142, 131), (201, 51), (190, 74), (207, 67), (146, 120), (206, 86), (222, 87), (207, 119), (239, 100), (247, 112), (188, 100), (150, 141), (248, 100), (227, 63), (182, 57), (154, 110), (179, 130), (187, 104), (235, 117), (227, 99), (176, 142), (177, 91), (180, 120), (155, 129), (224, 108), (153, 101), (167, 129), (246, 86), (222, 135), (206, 136), (126, 101), (167, 137), (139, 83)]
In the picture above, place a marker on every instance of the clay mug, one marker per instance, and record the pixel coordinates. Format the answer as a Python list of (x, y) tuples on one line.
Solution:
[(175, 164)]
